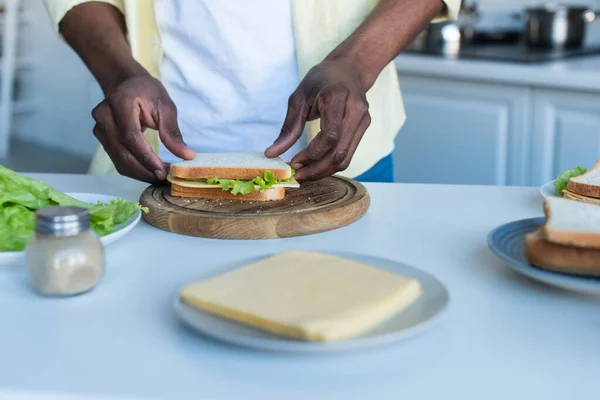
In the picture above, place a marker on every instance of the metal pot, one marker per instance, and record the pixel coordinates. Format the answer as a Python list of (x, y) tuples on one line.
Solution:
[(447, 32), (557, 26), (450, 34)]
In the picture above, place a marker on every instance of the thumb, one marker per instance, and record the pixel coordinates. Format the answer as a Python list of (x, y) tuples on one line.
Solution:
[(292, 128), (169, 132)]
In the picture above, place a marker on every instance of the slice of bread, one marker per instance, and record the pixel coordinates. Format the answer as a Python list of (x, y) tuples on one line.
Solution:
[(230, 166), (572, 223), (587, 184), (559, 258), (276, 193)]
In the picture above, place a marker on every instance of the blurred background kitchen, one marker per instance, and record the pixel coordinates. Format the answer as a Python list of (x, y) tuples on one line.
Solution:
[(508, 95)]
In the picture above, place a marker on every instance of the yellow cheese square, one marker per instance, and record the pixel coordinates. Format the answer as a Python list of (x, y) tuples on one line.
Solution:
[(305, 295)]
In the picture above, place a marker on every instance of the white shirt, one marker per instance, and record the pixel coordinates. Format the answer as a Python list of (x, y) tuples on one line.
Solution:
[(230, 67)]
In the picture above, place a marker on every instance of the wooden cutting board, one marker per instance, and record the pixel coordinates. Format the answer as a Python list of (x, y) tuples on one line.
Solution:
[(315, 207)]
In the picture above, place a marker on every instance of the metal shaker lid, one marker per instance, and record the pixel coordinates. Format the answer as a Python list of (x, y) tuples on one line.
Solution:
[(62, 220)]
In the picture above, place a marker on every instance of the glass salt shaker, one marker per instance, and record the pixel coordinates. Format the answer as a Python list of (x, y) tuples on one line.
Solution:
[(64, 256)]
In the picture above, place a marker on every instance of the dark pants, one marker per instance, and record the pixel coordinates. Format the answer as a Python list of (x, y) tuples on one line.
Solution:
[(383, 171)]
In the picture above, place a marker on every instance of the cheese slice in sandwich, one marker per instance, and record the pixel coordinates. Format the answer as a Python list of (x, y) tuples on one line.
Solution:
[(572, 223), (305, 295), (238, 176), (567, 194)]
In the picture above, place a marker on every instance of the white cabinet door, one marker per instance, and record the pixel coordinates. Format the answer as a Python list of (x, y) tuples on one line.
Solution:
[(460, 132), (566, 133)]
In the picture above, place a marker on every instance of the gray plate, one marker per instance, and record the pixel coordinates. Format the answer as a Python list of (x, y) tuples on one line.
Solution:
[(416, 317), (508, 243)]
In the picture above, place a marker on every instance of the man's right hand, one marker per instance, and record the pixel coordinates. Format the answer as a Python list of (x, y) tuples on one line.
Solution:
[(134, 100), (135, 104)]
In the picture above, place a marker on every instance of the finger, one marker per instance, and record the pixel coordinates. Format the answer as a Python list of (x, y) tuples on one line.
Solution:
[(105, 129), (360, 132), (169, 132), (292, 128), (320, 146), (125, 163), (338, 159), (127, 117), (332, 108)]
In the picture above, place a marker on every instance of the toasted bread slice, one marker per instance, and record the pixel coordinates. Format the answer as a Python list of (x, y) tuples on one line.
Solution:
[(572, 223), (587, 184), (277, 193), (230, 166), (559, 258)]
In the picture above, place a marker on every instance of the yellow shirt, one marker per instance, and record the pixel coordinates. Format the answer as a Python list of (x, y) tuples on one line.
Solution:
[(319, 26)]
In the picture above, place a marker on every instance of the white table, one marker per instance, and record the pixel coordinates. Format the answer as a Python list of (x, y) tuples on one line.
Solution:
[(504, 336)]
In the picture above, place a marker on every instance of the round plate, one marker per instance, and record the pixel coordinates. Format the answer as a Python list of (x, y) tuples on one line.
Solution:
[(548, 190), (419, 315), (508, 243), (18, 257)]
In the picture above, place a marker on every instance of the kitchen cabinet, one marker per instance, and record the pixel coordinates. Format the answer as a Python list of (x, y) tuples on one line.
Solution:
[(566, 132), (460, 132), (11, 67)]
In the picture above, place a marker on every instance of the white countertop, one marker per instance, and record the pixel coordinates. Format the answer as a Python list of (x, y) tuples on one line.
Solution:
[(580, 73), (503, 337)]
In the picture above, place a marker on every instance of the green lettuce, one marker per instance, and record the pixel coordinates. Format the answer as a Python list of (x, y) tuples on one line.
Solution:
[(246, 186), (562, 181), (20, 196), (235, 186)]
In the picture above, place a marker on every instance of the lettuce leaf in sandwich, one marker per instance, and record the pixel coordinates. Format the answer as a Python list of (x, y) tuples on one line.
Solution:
[(246, 186), (562, 181)]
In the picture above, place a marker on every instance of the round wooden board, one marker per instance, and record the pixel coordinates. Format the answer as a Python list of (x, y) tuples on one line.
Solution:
[(315, 207)]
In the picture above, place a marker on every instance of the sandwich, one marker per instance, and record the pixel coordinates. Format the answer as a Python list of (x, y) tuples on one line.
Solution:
[(233, 176), (569, 240), (584, 187)]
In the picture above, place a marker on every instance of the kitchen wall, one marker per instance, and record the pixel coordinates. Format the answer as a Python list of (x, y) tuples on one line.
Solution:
[(59, 88), (63, 92)]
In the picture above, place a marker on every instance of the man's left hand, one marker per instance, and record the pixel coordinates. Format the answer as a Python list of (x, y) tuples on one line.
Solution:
[(332, 91)]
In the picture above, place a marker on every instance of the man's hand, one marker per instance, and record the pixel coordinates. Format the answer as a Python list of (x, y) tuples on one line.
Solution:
[(137, 103), (134, 100), (334, 92)]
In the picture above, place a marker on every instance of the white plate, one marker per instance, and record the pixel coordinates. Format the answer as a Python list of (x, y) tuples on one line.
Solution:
[(18, 257), (548, 190), (421, 314)]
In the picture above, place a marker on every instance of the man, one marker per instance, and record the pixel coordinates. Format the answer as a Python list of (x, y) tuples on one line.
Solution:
[(225, 76)]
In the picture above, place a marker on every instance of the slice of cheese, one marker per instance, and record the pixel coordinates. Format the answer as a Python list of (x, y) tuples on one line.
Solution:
[(305, 295), (567, 194), (204, 185)]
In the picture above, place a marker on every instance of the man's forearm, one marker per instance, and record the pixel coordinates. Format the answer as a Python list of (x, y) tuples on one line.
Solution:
[(96, 31), (391, 26)]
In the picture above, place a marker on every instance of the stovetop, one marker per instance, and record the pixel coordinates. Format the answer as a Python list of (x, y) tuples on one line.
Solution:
[(505, 52)]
